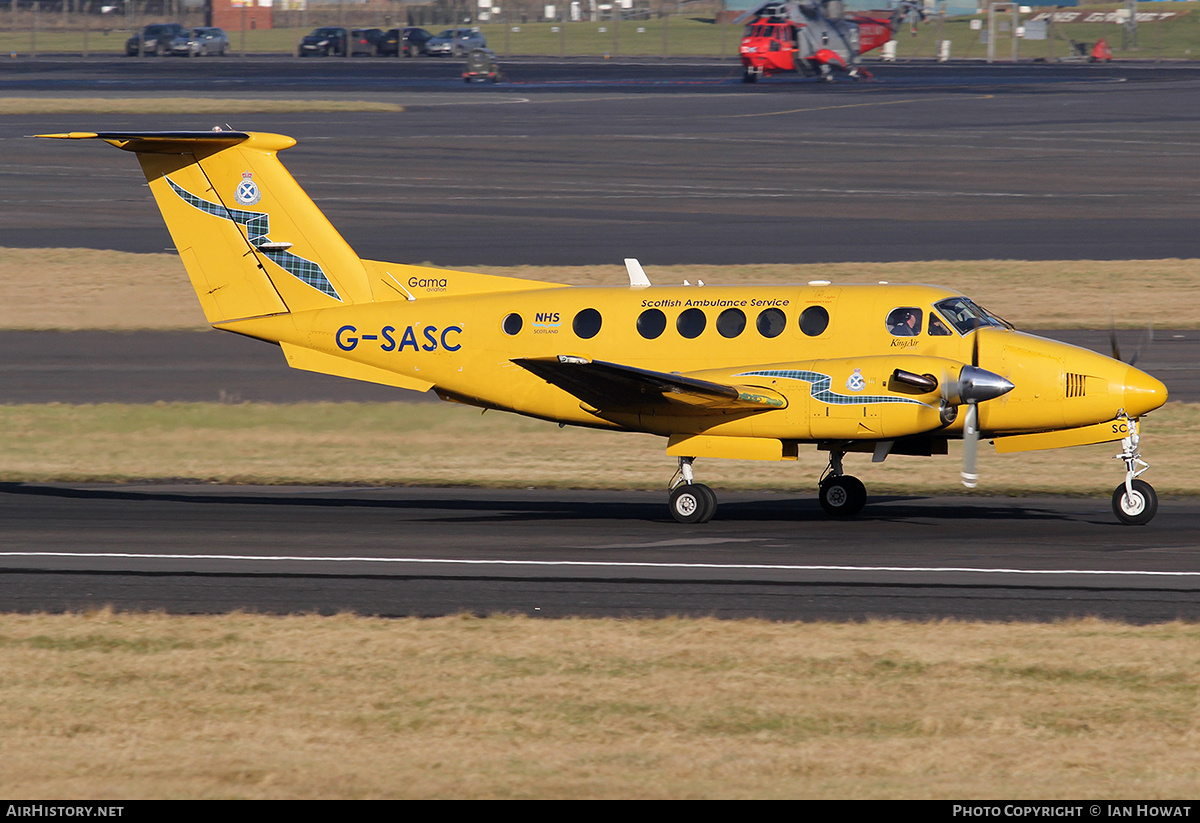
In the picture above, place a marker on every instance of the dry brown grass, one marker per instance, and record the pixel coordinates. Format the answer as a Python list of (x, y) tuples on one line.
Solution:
[(444, 444), (117, 706), (89, 289)]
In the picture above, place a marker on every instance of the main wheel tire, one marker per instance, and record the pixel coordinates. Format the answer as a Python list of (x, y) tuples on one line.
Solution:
[(843, 496), (1138, 509), (693, 503)]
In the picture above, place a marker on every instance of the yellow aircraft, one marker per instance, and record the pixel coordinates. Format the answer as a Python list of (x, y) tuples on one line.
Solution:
[(741, 372)]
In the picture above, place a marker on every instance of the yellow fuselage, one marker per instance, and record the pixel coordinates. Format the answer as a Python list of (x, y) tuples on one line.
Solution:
[(458, 344)]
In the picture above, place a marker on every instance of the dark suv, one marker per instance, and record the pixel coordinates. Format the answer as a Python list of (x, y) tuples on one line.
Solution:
[(414, 42), (153, 39), (366, 41), (325, 41)]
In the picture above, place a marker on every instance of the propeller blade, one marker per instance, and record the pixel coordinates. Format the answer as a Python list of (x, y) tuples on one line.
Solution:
[(973, 386), (970, 476), (1146, 340), (1112, 338)]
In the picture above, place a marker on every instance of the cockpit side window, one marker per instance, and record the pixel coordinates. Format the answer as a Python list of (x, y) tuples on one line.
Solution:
[(937, 328), (905, 321)]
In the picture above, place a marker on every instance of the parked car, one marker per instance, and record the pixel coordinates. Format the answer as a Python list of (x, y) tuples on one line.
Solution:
[(454, 42), (366, 41), (413, 44), (153, 39), (324, 41), (204, 41)]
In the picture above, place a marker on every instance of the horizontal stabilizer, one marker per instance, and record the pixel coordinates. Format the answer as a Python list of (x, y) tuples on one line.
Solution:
[(312, 360), (159, 142), (614, 387)]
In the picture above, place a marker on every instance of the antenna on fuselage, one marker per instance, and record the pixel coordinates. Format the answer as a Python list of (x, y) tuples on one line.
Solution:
[(637, 277)]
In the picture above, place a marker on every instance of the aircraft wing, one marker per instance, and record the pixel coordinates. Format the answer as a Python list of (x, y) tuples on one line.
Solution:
[(615, 387)]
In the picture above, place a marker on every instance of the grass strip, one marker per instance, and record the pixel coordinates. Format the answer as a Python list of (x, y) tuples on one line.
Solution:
[(435, 444), (183, 105), (126, 706)]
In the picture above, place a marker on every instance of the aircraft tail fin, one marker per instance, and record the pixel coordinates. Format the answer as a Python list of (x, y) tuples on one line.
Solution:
[(252, 241)]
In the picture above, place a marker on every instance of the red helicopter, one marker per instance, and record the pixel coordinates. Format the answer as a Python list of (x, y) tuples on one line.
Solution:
[(815, 38)]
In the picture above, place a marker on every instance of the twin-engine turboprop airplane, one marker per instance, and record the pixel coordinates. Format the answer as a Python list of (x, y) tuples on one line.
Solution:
[(742, 372)]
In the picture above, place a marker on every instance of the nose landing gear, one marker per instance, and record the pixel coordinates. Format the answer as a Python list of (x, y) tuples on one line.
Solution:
[(1134, 502)]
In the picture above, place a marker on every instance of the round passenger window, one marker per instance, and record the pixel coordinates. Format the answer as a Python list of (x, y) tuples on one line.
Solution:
[(691, 323), (814, 320), (731, 322), (771, 322), (512, 323), (651, 323), (587, 324)]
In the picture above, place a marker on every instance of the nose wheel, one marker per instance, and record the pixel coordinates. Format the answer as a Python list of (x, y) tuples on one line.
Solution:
[(691, 502), (1134, 502), (1136, 505)]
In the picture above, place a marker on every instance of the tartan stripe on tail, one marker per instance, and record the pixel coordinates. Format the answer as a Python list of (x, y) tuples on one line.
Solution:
[(258, 226)]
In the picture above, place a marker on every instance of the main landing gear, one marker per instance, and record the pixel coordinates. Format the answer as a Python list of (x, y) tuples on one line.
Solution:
[(840, 494), (691, 502), (1134, 502)]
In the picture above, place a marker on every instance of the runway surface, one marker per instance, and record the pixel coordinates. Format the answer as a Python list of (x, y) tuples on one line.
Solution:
[(426, 552), (572, 162)]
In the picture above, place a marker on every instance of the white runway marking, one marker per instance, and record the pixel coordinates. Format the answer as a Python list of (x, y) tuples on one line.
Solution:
[(419, 561)]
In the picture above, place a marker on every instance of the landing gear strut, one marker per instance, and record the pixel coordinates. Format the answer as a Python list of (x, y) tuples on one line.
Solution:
[(840, 494), (691, 502), (1134, 502)]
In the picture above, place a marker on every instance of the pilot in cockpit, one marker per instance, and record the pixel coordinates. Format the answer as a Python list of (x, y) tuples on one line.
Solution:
[(905, 322)]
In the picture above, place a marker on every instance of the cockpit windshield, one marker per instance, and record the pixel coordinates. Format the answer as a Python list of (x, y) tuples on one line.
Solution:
[(966, 316)]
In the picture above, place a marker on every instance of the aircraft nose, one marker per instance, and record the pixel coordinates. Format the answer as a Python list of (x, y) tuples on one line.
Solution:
[(1143, 393)]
